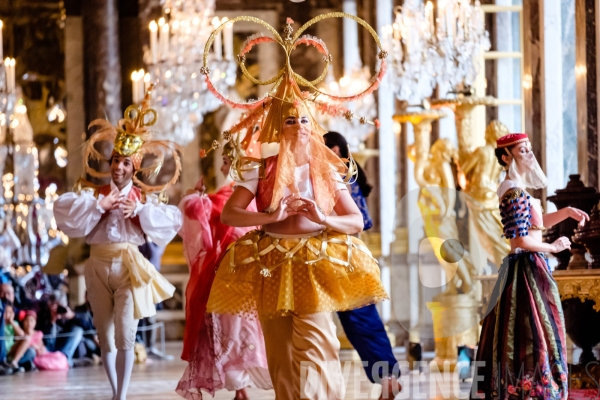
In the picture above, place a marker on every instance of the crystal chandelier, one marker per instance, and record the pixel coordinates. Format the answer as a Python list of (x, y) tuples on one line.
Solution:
[(28, 231), (460, 40), (355, 130), (414, 60), (356, 79), (173, 60), (427, 50)]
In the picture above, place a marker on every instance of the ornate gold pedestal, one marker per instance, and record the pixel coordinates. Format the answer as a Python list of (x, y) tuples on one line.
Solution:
[(468, 138), (421, 122), (455, 323), (579, 284), (580, 295)]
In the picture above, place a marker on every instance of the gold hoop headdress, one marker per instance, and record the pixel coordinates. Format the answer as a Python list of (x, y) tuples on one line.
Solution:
[(286, 99), (131, 138), (287, 82)]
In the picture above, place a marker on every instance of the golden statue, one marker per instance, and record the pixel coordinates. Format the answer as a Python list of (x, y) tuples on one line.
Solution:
[(436, 202), (482, 173)]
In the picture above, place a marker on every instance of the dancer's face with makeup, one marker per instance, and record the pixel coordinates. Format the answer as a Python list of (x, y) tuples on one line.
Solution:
[(121, 170), (523, 156), (297, 130)]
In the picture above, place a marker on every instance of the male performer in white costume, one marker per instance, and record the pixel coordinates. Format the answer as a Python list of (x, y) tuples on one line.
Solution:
[(115, 219)]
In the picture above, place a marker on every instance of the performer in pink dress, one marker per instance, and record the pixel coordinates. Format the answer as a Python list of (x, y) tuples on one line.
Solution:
[(223, 351)]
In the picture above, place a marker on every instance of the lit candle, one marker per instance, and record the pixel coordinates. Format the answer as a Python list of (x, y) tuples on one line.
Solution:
[(7, 74), (217, 43), (467, 24), (429, 12), (153, 40), (441, 19), (396, 29), (161, 38), (462, 19), (1, 42), (164, 38), (141, 88), (450, 24), (146, 81), (10, 74), (135, 91), (228, 40)]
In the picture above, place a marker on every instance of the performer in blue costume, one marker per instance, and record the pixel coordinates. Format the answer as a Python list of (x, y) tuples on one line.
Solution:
[(363, 326)]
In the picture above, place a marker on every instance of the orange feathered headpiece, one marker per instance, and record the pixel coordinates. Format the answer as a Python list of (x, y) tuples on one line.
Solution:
[(131, 138), (286, 99)]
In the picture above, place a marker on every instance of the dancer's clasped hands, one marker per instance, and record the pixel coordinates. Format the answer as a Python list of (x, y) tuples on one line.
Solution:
[(128, 207), (115, 200), (311, 210), (295, 205), (111, 201), (284, 210)]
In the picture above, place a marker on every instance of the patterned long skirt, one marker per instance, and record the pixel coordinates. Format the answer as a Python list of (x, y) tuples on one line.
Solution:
[(522, 349)]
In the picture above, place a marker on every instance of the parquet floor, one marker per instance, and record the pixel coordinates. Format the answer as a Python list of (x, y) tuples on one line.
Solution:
[(157, 380)]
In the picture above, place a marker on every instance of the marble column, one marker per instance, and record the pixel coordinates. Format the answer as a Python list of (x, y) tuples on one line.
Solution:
[(351, 52), (505, 67), (387, 159), (416, 234), (75, 121), (130, 46), (553, 96), (586, 69), (569, 92), (533, 80), (102, 62), (387, 145), (74, 88)]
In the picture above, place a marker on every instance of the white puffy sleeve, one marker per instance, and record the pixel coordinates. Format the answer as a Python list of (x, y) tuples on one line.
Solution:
[(159, 221), (76, 215), (250, 180), (339, 181)]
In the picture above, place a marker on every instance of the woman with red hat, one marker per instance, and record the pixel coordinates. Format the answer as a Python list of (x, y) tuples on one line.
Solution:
[(522, 348)]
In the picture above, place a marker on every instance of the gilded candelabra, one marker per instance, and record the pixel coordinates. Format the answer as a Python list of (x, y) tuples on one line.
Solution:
[(464, 106)]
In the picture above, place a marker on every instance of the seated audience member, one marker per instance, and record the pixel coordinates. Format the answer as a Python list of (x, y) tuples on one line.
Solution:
[(44, 359), (7, 292), (56, 322), (89, 346), (20, 355), (11, 291), (4, 369)]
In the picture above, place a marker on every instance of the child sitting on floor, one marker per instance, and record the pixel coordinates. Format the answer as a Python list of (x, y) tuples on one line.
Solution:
[(44, 359), (19, 357)]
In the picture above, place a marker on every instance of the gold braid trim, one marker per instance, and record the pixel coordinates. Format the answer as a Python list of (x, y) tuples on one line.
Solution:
[(289, 254), (514, 193)]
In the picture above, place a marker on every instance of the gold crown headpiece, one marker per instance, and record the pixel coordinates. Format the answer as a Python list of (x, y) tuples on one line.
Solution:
[(131, 138), (286, 94)]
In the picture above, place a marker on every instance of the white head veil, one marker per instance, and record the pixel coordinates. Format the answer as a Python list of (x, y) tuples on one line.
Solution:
[(531, 176)]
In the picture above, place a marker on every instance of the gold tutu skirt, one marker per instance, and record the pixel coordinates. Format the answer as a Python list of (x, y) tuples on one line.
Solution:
[(275, 276)]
